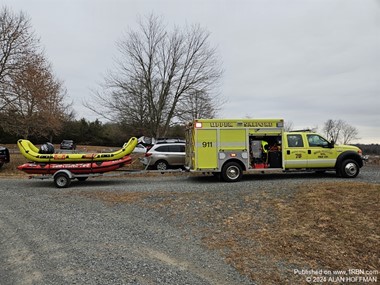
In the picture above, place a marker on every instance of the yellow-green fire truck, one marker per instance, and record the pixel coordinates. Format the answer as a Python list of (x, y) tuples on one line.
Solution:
[(229, 147)]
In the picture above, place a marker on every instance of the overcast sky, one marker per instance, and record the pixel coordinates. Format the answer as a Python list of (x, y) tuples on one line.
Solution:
[(302, 60)]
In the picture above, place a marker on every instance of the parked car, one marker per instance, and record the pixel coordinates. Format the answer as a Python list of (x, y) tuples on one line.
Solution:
[(68, 144), (163, 156), (4, 156)]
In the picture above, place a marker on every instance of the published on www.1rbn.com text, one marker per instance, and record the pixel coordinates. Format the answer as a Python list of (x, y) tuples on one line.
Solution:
[(358, 276)]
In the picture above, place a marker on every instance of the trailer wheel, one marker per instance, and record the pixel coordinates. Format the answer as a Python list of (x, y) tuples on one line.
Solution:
[(349, 168), (232, 172), (62, 180)]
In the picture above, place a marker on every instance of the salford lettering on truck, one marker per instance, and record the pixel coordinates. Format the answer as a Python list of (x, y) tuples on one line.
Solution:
[(258, 124), (229, 147)]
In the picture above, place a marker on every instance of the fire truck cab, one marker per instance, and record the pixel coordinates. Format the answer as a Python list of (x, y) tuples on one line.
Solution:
[(229, 147)]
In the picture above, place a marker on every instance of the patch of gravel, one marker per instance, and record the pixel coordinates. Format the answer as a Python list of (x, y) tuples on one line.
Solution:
[(50, 236), (55, 236)]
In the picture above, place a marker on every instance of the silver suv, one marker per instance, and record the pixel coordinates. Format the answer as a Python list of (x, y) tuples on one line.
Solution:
[(165, 155)]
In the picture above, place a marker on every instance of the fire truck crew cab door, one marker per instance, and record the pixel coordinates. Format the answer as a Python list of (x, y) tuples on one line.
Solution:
[(296, 154)]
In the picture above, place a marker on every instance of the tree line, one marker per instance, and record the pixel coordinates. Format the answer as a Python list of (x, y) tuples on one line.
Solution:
[(373, 149), (95, 132)]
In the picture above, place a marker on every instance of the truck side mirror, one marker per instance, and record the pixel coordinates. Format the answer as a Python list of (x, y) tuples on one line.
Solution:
[(332, 143)]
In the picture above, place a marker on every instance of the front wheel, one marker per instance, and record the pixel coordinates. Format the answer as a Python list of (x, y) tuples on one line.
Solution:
[(232, 172), (349, 169)]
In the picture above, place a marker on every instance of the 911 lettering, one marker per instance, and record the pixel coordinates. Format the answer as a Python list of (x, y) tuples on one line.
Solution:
[(206, 144)]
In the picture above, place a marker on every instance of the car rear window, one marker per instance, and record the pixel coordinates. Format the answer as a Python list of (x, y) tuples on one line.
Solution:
[(176, 148), (171, 148)]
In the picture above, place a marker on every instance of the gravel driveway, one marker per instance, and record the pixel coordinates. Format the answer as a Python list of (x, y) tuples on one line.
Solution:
[(50, 236)]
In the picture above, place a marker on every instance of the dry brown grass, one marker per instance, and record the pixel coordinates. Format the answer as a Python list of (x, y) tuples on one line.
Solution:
[(327, 226), (331, 226)]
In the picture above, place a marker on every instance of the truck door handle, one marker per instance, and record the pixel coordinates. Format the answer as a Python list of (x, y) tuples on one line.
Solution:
[(309, 151), (288, 152)]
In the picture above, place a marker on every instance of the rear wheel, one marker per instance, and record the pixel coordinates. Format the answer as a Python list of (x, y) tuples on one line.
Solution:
[(232, 172), (62, 180), (349, 168), (161, 165)]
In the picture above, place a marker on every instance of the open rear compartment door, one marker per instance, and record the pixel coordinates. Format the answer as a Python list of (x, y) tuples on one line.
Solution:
[(265, 151)]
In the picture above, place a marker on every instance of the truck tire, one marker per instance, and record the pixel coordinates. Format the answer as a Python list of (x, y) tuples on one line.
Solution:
[(232, 172), (62, 180), (349, 168)]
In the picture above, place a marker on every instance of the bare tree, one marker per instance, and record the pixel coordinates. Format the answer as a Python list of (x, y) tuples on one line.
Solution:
[(39, 108), (159, 71), (16, 40), (349, 133), (288, 126), (332, 129), (31, 98), (197, 105), (340, 131)]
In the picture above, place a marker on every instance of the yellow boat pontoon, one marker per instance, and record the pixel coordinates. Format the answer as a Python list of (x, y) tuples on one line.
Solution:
[(31, 152)]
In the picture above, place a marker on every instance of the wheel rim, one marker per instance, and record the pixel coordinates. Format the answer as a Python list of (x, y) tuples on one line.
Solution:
[(161, 166), (62, 181), (233, 172), (351, 169)]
